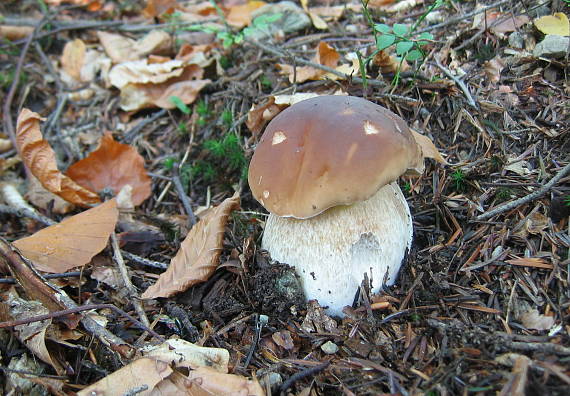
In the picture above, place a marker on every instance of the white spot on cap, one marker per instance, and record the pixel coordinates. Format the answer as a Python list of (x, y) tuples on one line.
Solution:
[(278, 137), (370, 129), (351, 152), (266, 194)]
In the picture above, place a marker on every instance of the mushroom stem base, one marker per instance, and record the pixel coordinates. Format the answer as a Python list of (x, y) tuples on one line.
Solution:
[(332, 251)]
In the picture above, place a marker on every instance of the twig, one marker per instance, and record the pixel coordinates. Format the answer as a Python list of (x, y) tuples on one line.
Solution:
[(530, 197), (8, 122), (182, 195), (26, 213), (462, 18), (71, 274), (302, 61), (300, 375), (144, 261), (131, 290), (78, 309), (459, 83), (130, 135)]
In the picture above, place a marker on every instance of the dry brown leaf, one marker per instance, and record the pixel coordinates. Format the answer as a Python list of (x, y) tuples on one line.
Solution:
[(14, 33), (141, 72), (379, 3), (428, 148), (32, 335), (42, 198), (493, 69), (182, 353), (388, 63), (532, 319), (213, 382), (113, 165), (499, 23), (239, 15), (73, 58), (260, 115), (123, 49), (39, 158), (143, 371), (326, 56), (198, 256), (318, 22), (73, 242), (332, 13), (156, 8)]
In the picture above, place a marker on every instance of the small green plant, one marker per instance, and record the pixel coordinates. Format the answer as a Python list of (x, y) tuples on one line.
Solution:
[(408, 45), (504, 194), (203, 111), (227, 118), (7, 78), (407, 187), (567, 200), (169, 163), (458, 178), (182, 128), (180, 105), (265, 82)]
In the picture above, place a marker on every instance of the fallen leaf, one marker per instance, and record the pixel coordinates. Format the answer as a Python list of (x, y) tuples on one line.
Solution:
[(499, 23), (182, 353), (239, 15), (14, 33), (42, 198), (428, 148), (260, 115), (326, 56), (113, 165), (493, 69), (283, 339), (39, 158), (198, 256), (379, 3), (73, 242), (156, 8), (73, 58), (123, 49), (141, 72), (317, 320), (212, 382), (533, 320), (318, 22), (330, 13), (554, 24), (143, 371), (536, 223)]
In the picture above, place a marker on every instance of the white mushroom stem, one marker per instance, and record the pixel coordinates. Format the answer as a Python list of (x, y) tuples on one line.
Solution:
[(332, 251)]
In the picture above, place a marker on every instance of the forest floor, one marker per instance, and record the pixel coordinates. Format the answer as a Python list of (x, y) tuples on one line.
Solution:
[(482, 303)]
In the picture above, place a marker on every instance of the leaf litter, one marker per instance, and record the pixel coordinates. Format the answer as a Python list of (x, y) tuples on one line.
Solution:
[(168, 87)]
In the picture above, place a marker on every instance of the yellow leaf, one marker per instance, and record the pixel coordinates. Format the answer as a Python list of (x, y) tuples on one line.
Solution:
[(554, 24)]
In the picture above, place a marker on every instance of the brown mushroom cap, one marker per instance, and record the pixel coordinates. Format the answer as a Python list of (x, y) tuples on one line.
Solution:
[(329, 151)]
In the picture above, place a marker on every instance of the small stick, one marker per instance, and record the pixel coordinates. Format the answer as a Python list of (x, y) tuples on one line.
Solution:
[(78, 309), (71, 274), (182, 195), (300, 375), (459, 83), (132, 291), (530, 197)]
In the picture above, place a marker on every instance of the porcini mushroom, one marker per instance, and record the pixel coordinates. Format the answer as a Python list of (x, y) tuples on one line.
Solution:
[(325, 169)]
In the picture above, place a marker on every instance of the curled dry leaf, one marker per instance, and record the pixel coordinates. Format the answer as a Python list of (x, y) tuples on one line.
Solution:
[(113, 165), (42, 198), (73, 58), (39, 158), (317, 21), (259, 115), (156, 8), (428, 148), (199, 253), (493, 69), (145, 85), (123, 49), (326, 56), (73, 242), (239, 15)]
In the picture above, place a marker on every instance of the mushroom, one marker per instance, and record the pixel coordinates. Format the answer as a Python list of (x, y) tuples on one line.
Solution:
[(325, 169)]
